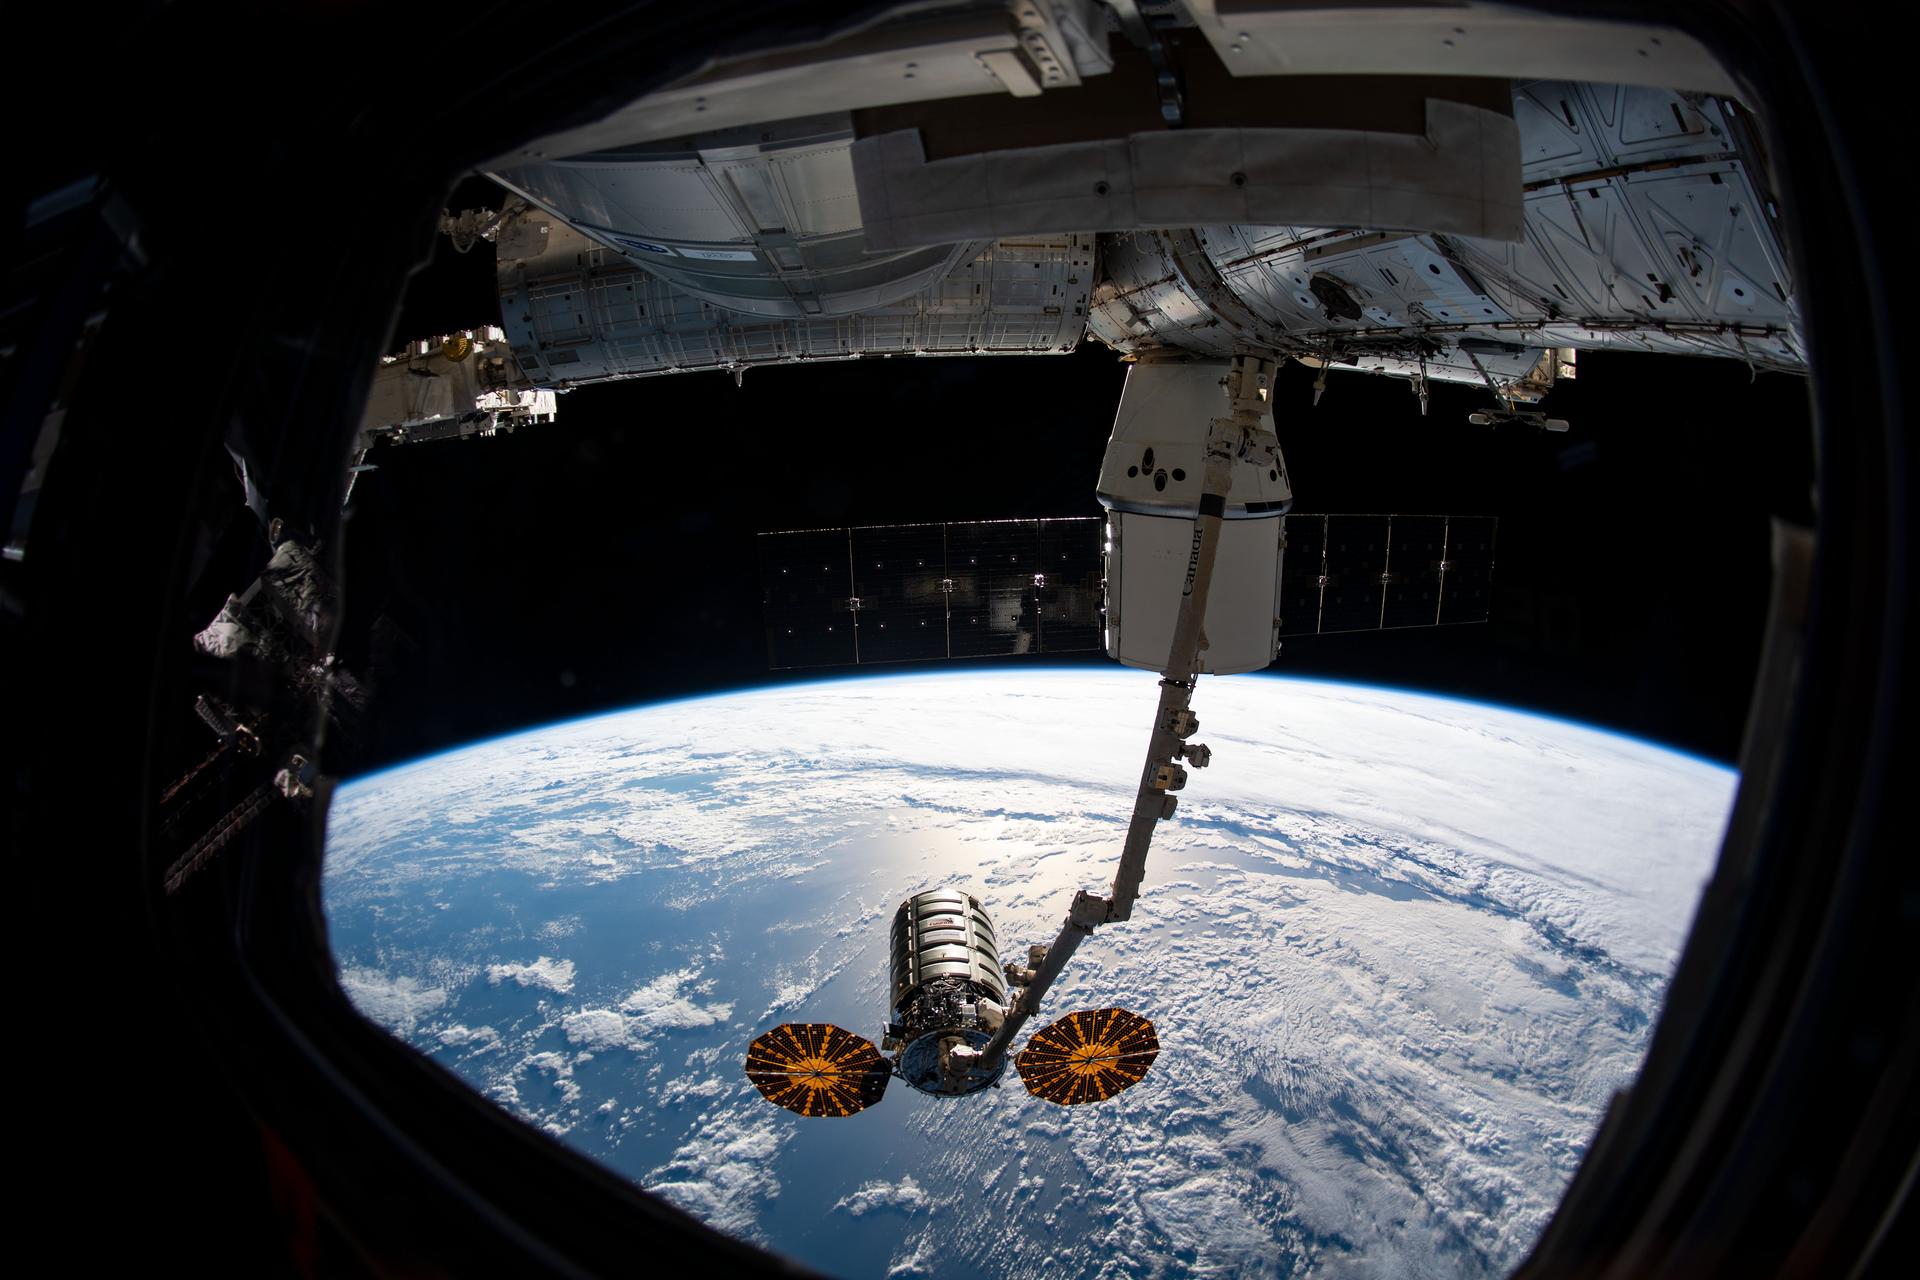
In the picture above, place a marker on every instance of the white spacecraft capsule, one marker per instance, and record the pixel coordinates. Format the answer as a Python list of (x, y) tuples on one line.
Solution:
[(1150, 484)]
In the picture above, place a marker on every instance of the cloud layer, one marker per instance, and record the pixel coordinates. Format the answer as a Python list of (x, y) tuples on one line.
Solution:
[(1399, 950)]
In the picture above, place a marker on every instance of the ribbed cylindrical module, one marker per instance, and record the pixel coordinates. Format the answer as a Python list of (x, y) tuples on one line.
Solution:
[(946, 965)]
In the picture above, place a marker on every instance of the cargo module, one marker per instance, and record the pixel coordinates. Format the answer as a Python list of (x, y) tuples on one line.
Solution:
[(950, 997)]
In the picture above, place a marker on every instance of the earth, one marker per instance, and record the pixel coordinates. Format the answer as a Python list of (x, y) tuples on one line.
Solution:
[(1400, 951)]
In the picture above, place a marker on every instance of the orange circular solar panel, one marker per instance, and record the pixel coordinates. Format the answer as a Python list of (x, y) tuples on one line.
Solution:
[(1088, 1056), (817, 1069)]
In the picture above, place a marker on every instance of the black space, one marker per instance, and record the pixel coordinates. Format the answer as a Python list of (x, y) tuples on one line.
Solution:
[(608, 559)]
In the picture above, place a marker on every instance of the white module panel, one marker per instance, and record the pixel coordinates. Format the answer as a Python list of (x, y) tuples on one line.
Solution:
[(1148, 558)]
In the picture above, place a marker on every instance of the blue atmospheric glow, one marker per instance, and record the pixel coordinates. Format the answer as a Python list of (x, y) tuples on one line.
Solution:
[(1075, 671), (1399, 953)]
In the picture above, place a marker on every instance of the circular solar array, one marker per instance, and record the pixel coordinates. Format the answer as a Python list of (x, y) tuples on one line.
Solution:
[(1088, 1056), (817, 1069)]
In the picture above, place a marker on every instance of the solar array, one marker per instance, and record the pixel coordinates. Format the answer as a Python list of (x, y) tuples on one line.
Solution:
[(1375, 572), (991, 588), (817, 1069), (1088, 1056), (905, 592)]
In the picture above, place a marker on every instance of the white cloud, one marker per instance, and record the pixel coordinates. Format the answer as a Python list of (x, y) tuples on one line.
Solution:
[(664, 1004), (905, 1195), (396, 1003), (595, 1029), (682, 1088), (564, 927), (460, 1036), (918, 1262), (1401, 954), (660, 1006), (556, 1066), (554, 975), (724, 1174)]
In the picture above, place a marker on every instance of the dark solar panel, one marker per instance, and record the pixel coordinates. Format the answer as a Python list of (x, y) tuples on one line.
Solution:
[(1356, 559), (1300, 568), (1466, 594), (898, 572), (1071, 584), (898, 593), (1416, 546), (809, 587), (991, 565)]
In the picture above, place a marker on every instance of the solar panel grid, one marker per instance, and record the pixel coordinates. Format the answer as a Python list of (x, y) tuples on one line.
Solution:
[(1356, 559), (1467, 595), (898, 572), (1416, 546), (1301, 566), (808, 584), (975, 589), (991, 565), (1070, 584)]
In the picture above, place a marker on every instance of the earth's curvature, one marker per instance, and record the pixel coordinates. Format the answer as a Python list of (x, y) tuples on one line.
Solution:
[(1399, 951)]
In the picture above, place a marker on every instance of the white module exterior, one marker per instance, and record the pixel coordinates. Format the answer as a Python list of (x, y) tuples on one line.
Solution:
[(1461, 177), (576, 312), (760, 222), (1151, 483), (772, 208), (1647, 226), (1155, 457), (1146, 570)]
